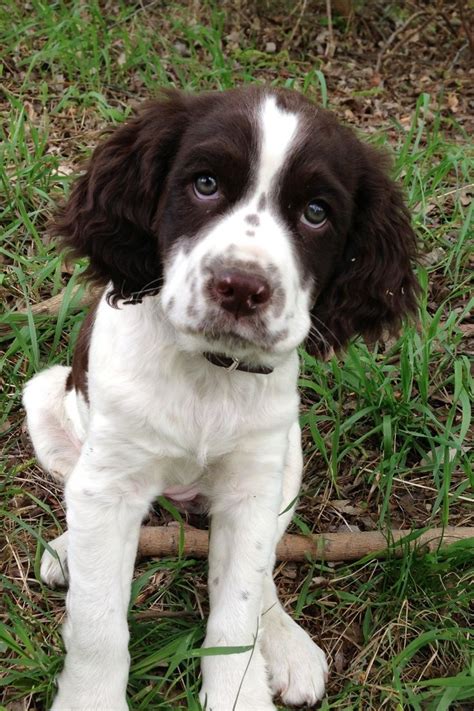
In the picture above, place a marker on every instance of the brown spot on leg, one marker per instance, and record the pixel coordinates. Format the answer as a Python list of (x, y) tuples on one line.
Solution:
[(250, 233), (262, 203)]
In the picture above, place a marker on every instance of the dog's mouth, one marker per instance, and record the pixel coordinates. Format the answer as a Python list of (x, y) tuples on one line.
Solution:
[(234, 335), (244, 344)]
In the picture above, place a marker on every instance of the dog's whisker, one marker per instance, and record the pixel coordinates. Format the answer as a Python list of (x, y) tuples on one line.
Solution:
[(326, 328)]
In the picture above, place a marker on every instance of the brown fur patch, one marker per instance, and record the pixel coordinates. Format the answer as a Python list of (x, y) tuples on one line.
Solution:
[(77, 378)]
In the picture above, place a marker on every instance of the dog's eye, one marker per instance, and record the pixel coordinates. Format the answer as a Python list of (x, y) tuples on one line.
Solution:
[(315, 214), (205, 186)]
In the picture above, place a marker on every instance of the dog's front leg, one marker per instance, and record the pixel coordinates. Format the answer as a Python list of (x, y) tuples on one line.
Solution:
[(245, 504), (104, 512)]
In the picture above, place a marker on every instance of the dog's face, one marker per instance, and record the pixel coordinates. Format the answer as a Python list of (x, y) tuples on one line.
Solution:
[(256, 216), (235, 276)]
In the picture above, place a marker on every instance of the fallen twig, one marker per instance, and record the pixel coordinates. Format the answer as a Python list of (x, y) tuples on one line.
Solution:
[(331, 45), (295, 29), (466, 26), (52, 306), (165, 541), (384, 51)]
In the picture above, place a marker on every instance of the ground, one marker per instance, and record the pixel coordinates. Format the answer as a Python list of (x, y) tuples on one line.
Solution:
[(386, 427)]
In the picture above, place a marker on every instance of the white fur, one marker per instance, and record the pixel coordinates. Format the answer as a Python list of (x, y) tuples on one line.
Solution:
[(161, 416), (54, 565), (278, 130)]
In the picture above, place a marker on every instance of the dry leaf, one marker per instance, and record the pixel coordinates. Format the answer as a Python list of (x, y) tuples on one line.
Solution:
[(467, 329), (30, 111), (465, 195), (289, 571), (433, 257), (344, 506), (5, 426), (453, 102), (67, 267), (452, 452), (320, 582)]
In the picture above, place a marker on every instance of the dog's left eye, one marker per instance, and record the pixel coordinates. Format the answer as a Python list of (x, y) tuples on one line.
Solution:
[(205, 186), (315, 213)]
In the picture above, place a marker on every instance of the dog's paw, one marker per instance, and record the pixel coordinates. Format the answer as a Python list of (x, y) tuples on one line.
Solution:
[(296, 666), (63, 702), (92, 679), (235, 682), (219, 700), (53, 569)]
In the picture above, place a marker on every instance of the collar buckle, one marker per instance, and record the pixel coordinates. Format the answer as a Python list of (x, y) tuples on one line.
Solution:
[(233, 366)]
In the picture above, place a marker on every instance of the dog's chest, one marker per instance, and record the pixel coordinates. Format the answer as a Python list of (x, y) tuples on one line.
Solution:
[(175, 405), (204, 418)]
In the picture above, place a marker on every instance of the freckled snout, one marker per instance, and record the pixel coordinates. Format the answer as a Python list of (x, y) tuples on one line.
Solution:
[(240, 293)]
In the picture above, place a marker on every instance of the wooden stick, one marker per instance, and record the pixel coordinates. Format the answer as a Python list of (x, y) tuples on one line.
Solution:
[(52, 306), (466, 26), (331, 45), (164, 541), (399, 30)]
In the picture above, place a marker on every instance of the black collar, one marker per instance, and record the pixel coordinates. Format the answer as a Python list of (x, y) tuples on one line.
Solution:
[(231, 364)]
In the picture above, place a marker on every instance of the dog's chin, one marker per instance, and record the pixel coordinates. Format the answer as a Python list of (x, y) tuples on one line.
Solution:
[(229, 344), (221, 336)]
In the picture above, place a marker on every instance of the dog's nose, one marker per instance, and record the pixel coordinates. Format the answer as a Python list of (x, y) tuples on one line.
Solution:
[(240, 293)]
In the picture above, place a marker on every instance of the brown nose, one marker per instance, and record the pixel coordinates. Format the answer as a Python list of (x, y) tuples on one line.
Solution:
[(240, 293)]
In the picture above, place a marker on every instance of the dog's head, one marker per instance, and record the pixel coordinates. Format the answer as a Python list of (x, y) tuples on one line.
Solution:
[(258, 219)]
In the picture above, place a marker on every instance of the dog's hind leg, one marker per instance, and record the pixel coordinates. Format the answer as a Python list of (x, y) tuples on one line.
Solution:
[(53, 421), (55, 427), (297, 667)]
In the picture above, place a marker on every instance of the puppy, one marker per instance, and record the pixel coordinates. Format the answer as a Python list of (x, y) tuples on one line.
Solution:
[(226, 229)]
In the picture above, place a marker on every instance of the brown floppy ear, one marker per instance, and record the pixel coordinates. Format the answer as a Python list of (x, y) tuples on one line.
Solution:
[(109, 214), (373, 287)]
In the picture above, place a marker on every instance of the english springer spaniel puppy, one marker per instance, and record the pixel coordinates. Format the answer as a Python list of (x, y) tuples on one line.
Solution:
[(226, 229)]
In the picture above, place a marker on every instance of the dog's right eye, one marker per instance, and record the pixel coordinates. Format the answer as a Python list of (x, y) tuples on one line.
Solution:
[(315, 214), (205, 186)]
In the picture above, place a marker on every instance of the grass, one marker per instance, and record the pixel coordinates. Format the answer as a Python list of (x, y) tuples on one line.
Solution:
[(386, 430)]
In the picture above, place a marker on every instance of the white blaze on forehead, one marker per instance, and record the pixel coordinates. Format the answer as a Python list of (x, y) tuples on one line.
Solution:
[(278, 130)]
